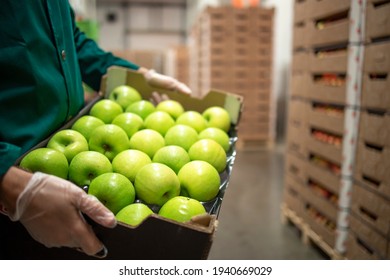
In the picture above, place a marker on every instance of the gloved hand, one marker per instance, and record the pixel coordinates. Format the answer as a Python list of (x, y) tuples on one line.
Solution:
[(50, 209), (165, 82)]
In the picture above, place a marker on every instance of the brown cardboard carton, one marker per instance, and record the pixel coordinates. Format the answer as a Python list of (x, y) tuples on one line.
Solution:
[(292, 195), (371, 241), (326, 150), (326, 8), (372, 166), (377, 58), (297, 134), (299, 84), (300, 36), (377, 19), (327, 117), (375, 128), (319, 225), (357, 250), (375, 91), (371, 208), (296, 167), (329, 61), (298, 110), (156, 237), (300, 61), (301, 10), (330, 34), (322, 91)]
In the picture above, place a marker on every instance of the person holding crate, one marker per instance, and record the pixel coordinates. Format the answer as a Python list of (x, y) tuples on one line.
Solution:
[(44, 59)]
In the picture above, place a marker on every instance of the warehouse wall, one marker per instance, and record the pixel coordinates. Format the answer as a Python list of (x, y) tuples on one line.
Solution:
[(140, 26)]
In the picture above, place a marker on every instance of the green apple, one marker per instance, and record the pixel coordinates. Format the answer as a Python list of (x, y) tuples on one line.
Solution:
[(46, 160), (114, 190), (129, 122), (129, 162), (156, 183), (142, 108), (86, 166), (172, 107), (199, 180), (172, 156), (159, 121), (86, 124), (108, 139), (216, 116), (124, 95), (148, 141), (218, 135), (210, 151), (106, 110), (134, 214), (69, 142), (193, 119), (181, 135), (181, 209)]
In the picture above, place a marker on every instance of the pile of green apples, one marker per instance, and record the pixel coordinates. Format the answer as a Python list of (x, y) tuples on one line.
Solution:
[(135, 156)]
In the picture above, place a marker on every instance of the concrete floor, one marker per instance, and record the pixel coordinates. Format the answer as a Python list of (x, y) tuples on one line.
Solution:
[(249, 220)]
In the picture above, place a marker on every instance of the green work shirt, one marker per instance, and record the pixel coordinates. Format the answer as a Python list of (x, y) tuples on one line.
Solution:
[(44, 58)]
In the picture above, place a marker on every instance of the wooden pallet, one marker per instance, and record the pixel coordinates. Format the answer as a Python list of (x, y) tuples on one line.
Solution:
[(308, 236)]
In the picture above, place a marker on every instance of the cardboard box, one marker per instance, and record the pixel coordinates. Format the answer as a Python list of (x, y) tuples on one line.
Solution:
[(357, 250), (327, 234), (375, 91), (330, 151), (300, 35), (299, 84), (296, 167), (298, 110), (325, 118), (319, 9), (297, 134), (371, 208), (301, 10), (330, 180), (156, 237), (377, 19), (331, 60), (377, 58), (292, 195), (331, 34), (300, 61), (368, 239), (321, 204), (372, 167), (326, 93), (375, 128)]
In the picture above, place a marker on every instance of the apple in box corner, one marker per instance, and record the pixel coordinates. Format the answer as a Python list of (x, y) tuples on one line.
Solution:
[(216, 116), (181, 209), (134, 214), (199, 180), (46, 160), (69, 142)]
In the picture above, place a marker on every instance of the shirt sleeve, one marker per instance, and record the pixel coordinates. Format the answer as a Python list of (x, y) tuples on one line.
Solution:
[(94, 61), (8, 154)]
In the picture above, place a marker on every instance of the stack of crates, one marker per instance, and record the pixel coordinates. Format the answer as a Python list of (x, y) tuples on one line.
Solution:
[(318, 178), (370, 204), (337, 178), (232, 51)]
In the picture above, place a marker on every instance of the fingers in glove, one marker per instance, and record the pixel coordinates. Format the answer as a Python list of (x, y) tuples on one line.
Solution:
[(93, 208), (86, 239)]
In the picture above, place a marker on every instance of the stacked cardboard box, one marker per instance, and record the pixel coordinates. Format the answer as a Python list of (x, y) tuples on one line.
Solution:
[(370, 205), (176, 63), (232, 51), (144, 58), (322, 47), (340, 79)]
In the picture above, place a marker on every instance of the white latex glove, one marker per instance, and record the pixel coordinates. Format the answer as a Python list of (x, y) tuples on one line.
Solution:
[(165, 82), (50, 209)]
